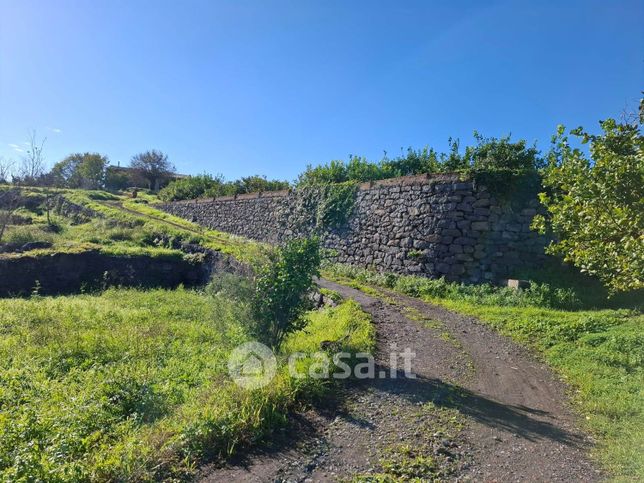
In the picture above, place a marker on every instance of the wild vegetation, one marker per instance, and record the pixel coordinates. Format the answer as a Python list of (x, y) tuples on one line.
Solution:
[(595, 205), (206, 186), (130, 385), (498, 162), (281, 290)]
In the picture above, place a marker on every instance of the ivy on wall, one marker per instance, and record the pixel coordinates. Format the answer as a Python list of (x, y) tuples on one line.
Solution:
[(335, 204), (328, 205)]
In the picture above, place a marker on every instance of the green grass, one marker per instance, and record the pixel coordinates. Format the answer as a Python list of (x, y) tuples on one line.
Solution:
[(241, 248), (148, 231), (599, 352), (131, 385)]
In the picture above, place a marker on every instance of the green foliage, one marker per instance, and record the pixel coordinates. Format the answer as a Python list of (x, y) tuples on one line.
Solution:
[(281, 290), (80, 170), (116, 180), (205, 185), (131, 385), (360, 170), (538, 295), (595, 207), (19, 235), (504, 166), (153, 166), (333, 203), (190, 188), (507, 169), (254, 184)]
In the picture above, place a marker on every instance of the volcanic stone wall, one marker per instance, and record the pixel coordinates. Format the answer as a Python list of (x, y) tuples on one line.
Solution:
[(426, 225)]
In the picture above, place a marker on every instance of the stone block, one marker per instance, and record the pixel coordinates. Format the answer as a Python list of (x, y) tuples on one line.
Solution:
[(480, 226)]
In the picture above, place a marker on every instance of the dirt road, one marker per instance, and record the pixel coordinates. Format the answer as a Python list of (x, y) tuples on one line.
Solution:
[(480, 409)]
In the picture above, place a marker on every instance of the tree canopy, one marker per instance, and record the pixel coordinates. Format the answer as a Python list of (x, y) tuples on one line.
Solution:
[(595, 204), (80, 170), (153, 166)]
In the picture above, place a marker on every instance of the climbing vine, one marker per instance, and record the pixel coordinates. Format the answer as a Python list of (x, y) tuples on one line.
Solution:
[(335, 204), (328, 205)]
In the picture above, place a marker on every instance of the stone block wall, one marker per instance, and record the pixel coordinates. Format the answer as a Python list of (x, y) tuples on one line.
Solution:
[(436, 226)]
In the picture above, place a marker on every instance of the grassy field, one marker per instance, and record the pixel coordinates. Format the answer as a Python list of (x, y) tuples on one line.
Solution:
[(131, 385), (600, 352)]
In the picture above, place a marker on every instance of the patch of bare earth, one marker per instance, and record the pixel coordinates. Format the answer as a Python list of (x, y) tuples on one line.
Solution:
[(481, 408)]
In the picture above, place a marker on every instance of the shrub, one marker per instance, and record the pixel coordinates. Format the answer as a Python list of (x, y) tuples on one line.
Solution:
[(496, 162), (20, 235), (190, 188), (281, 289), (205, 185)]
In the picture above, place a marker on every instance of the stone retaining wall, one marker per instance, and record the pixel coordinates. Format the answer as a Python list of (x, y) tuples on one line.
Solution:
[(65, 273), (427, 225)]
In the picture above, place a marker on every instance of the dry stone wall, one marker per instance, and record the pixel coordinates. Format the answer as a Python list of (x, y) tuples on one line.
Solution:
[(436, 226)]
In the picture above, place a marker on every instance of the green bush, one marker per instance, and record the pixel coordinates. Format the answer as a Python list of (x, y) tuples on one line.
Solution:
[(19, 235), (205, 185), (504, 166), (282, 287), (190, 188)]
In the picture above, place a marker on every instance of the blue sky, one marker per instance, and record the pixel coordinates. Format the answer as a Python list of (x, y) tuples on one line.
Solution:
[(245, 87)]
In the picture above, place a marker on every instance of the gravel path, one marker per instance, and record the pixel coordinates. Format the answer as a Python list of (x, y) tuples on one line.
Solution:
[(481, 408)]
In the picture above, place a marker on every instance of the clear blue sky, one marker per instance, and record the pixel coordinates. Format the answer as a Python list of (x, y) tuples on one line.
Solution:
[(243, 87)]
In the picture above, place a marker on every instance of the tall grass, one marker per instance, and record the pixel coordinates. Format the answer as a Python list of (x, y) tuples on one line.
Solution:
[(538, 294), (131, 385)]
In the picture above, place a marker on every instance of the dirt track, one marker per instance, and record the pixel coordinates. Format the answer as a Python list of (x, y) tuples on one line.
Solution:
[(481, 409)]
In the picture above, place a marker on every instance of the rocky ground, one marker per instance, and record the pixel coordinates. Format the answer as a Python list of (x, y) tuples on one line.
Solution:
[(481, 408)]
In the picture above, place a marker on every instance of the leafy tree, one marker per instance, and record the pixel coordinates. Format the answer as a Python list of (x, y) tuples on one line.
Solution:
[(281, 290), (595, 207), (153, 166), (80, 170)]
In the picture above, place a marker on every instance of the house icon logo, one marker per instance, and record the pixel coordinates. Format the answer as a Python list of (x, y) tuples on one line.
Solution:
[(252, 365)]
